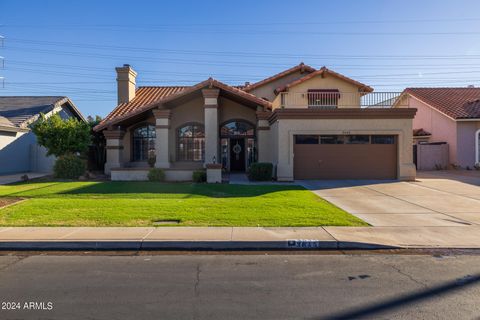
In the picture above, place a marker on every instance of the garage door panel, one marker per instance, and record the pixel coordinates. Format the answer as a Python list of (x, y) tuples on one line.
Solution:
[(345, 161)]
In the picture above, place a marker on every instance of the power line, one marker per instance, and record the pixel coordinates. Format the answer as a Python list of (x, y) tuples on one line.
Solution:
[(235, 53), (441, 20)]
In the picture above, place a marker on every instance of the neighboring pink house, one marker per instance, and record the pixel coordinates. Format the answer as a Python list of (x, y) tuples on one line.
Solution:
[(450, 115)]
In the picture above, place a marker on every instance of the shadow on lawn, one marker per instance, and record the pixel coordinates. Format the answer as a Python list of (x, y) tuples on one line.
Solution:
[(187, 189)]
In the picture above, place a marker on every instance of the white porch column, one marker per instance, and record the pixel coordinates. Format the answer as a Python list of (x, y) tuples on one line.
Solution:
[(114, 139), (211, 124), (162, 128), (264, 143)]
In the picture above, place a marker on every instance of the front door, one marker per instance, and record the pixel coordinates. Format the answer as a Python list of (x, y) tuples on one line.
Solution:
[(237, 154)]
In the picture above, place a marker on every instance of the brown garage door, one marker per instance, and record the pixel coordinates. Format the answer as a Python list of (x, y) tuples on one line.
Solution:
[(345, 157)]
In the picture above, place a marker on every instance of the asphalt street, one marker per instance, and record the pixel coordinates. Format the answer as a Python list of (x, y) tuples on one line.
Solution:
[(239, 286)]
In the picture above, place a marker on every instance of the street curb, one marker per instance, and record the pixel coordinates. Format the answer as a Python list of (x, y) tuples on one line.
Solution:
[(188, 245), (138, 245)]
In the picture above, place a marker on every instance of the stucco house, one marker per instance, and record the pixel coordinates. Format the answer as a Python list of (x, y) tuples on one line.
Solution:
[(19, 151), (309, 123), (450, 115)]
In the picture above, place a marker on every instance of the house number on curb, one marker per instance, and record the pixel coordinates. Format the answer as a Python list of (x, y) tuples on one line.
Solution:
[(303, 243)]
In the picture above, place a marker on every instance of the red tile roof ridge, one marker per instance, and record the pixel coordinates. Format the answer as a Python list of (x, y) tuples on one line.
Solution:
[(321, 71), (300, 66)]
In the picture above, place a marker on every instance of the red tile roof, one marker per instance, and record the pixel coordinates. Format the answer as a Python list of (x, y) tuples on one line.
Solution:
[(301, 67), (420, 133), (457, 103), (147, 98), (325, 70), (143, 96)]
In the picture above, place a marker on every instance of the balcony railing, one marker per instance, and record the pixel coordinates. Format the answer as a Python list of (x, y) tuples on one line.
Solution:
[(332, 100)]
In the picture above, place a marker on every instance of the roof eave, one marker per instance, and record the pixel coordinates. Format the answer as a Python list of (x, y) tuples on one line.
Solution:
[(279, 75), (207, 83)]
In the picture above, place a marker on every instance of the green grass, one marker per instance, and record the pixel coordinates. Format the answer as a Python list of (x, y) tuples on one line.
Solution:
[(142, 203)]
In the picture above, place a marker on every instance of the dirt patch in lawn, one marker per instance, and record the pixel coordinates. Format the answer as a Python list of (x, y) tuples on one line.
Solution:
[(5, 202)]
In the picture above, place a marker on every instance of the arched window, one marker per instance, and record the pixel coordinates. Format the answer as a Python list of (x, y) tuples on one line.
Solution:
[(191, 142), (143, 141), (237, 129)]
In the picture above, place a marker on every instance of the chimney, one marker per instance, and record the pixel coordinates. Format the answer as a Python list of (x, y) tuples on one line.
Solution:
[(125, 83)]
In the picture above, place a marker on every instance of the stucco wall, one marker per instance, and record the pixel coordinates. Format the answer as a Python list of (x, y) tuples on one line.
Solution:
[(296, 97), (287, 128), (229, 110), (142, 175), (442, 128), (432, 156), (7, 137), (19, 152), (466, 142), (267, 90), (190, 111)]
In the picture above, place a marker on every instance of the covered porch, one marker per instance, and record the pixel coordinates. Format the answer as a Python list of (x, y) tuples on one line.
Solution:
[(207, 124)]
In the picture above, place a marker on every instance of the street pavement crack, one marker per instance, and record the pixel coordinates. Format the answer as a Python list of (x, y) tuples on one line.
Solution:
[(196, 289), (13, 263), (408, 276), (196, 292)]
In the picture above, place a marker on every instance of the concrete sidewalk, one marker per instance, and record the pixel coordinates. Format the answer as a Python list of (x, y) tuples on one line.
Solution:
[(228, 238)]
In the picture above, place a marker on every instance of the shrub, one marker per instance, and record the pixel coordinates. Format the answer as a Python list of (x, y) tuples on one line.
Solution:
[(260, 171), (152, 158), (199, 176), (69, 166), (62, 137), (156, 174)]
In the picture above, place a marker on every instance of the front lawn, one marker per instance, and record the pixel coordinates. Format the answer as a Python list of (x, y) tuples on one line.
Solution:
[(143, 203)]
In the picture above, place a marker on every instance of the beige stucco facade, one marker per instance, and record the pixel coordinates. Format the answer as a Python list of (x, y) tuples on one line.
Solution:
[(213, 105), (286, 129), (268, 90), (297, 97)]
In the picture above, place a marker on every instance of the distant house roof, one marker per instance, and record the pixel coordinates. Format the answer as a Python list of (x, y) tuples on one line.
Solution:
[(301, 67), (18, 111), (147, 98), (322, 71), (457, 103), (421, 133)]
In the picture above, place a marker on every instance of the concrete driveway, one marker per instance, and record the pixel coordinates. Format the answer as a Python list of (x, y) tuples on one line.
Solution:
[(435, 199)]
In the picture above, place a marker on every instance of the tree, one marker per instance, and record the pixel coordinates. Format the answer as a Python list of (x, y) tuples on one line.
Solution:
[(96, 155), (60, 136)]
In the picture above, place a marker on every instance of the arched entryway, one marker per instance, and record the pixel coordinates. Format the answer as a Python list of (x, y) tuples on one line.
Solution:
[(237, 145)]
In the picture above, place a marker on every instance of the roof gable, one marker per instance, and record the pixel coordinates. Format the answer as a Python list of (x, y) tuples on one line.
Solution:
[(20, 110), (323, 71), (301, 67), (456, 103)]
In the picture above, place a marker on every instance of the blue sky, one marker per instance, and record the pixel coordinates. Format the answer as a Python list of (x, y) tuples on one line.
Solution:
[(71, 47)]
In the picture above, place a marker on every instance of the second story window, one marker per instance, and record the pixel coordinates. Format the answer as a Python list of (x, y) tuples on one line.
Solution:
[(323, 98)]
